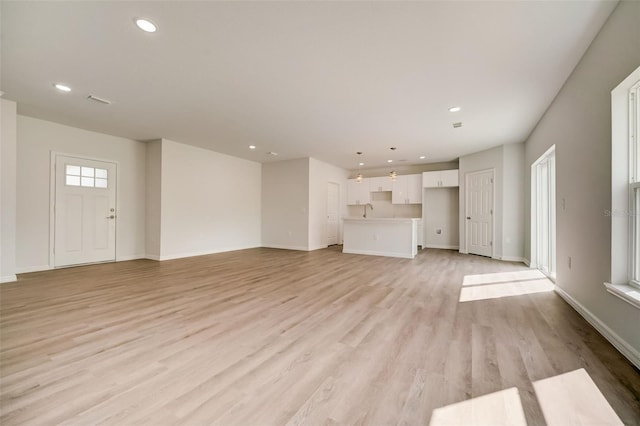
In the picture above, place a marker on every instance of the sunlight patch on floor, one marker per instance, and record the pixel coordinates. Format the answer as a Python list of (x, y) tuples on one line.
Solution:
[(574, 399), (502, 277), (505, 284), (498, 408)]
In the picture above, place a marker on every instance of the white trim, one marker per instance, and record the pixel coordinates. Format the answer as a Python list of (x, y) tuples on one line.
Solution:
[(8, 279), (378, 253), (618, 342), (37, 268), (526, 262), (283, 247), (550, 153), (435, 246), (625, 292), (152, 257)]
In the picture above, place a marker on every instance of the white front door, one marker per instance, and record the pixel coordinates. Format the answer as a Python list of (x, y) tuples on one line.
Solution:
[(479, 219), (333, 199), (85, 211)]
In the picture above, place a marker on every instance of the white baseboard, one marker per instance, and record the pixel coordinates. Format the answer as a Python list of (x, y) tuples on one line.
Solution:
[(197, 253), (130, 257), (152, 257), (526, 262), (38, 268), (378, 253), (8, 278), (284, 247), (514, 259), (618, 342), (436, 246)]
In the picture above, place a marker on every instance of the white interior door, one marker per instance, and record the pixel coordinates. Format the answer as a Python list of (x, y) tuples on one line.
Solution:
[(85, 211), (479, 219), (333, 209)]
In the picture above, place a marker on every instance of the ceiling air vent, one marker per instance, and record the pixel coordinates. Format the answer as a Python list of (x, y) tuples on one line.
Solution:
[(458, 124), (97, 99)]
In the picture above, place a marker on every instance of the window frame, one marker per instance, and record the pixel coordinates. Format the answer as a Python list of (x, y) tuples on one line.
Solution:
[(625, 176)]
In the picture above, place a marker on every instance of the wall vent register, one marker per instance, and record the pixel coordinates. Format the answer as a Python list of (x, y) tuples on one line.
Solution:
[(88, 177)]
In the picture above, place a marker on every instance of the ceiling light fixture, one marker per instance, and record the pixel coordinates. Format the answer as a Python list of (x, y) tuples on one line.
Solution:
[(146, 25), (393, 173), (454, 109), (62, 87), (422, 157), (252, 147)]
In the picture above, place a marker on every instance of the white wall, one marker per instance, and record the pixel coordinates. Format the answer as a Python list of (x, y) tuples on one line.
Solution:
[(285, 204), (578, 122), (441, 211), (513, 211), (153, 202), (320, 174), (8, 191), (210, 202), (36, 140)]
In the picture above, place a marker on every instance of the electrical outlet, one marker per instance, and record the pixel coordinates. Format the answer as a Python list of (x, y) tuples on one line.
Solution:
[(438, 231)]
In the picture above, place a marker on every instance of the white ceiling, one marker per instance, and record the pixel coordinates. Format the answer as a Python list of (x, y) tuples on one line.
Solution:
[(320, 79)]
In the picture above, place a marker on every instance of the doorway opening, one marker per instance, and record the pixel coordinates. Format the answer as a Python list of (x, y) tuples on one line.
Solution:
[(543, 213), (333, 214)]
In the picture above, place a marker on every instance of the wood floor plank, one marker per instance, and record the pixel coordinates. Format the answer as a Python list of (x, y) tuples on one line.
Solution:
[(266, 336)]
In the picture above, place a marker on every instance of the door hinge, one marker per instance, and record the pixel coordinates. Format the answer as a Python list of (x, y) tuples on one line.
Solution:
[(491, 211), (491, 243), (491, 180)]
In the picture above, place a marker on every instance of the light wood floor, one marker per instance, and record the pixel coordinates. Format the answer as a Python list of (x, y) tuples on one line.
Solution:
[(267, 336)]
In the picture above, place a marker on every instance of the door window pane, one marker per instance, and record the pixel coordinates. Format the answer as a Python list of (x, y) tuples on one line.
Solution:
[(101, 183), (87, 181), (101, 173), (88, 171), (73, 180), (73, 170)]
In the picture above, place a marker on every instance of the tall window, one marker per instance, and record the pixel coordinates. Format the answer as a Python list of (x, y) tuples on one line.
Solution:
[(634, 183), (625, 190)]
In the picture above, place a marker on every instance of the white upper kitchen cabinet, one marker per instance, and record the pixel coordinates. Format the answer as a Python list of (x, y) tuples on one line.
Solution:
[(358, 192), (440, 179), (380, 183), (407, 189)]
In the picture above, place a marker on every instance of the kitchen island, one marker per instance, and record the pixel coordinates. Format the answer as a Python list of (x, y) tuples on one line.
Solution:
[(392, 237)]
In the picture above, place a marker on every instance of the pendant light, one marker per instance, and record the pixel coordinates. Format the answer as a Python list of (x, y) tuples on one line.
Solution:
[(360, 163), (392, 173)]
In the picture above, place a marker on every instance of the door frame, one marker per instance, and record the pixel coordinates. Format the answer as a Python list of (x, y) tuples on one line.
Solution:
[(493, 209), (339, 212), (52, 198), (535, 234)]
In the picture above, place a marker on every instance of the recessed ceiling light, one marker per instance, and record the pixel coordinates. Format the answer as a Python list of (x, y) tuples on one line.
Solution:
[(389, 161), (361, 164), (454, 109), (422, 157), (252, 147), (146, 25), (62, 87)]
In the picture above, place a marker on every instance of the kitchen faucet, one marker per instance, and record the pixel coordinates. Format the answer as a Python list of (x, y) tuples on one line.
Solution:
[(365, 209)]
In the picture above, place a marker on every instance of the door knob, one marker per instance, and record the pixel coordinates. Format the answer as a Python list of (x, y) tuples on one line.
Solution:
[(111, 217), (468, 217)]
